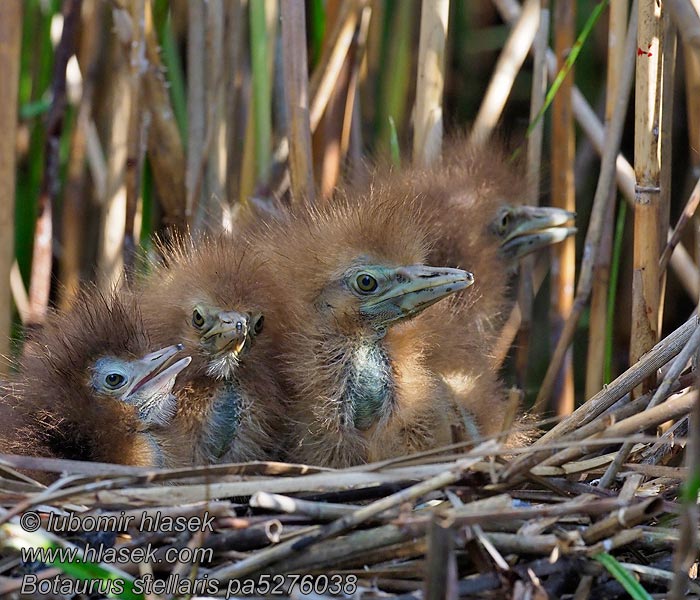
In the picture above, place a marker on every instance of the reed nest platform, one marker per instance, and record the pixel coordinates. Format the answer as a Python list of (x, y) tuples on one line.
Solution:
[(593, 508)]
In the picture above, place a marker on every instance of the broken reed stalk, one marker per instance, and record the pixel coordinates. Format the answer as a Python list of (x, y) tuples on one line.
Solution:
[(296, 89), (603, 194), (563, 152), (10, 50), (657, 357), (441, 576), (427, 137), (42, 253), (597, 342), (647, 168), (660, 395), (136, 143), (269, 556), (509, 63), (196, 100)]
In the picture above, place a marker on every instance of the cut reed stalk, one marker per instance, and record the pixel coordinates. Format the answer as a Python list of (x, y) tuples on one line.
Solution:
[(10, 50), (427, 137), (296, 86), (597, 337)]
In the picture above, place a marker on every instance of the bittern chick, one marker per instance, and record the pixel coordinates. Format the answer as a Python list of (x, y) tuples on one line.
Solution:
[(351, 313), (208, 294), (90, 387), (472, 202)]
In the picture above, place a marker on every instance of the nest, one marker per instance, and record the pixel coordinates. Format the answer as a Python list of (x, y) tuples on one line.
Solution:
[(592, 509)]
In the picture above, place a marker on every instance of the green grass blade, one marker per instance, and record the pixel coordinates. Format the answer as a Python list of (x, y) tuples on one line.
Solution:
[(317, 29), (569, 62), (262, 99), (623, 576), (174, 73), (13, 536), (612, 291)]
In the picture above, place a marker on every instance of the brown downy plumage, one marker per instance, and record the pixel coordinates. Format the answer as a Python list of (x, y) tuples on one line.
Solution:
[(356, 329), (207, 294), (472, 203), (89, 386)]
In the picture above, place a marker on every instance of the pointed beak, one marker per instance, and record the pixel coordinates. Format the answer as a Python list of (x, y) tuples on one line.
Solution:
[(229, 332), (152, 379), (533, 227), (417, 287)]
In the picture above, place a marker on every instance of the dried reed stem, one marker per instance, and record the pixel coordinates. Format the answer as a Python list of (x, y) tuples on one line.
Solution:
[(136, 143), (617, 28), (165, 147), (266, 557), (509, 63), (647, 167), (296, 83), (427, 137), (603, 194), (526, 291), (658, 356), (42, 253), (196, 99), (10, 49), (563, 195), (685, 17)]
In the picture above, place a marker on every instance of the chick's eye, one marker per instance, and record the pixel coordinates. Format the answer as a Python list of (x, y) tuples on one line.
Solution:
[(505, 219), (259, 325), (115, 380), (197, 319), (366, 283)]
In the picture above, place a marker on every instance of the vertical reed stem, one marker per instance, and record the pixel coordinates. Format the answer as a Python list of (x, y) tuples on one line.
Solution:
[(563, 195), (296, 89), (10, 47), (427, 138), (647, 168), (617, 29)]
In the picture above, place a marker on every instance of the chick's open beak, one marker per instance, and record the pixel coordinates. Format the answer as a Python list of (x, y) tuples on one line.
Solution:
[(151, 378), (525, 229), (229, 333), (416, 288)]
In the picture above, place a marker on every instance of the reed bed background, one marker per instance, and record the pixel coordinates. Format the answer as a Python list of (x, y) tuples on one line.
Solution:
[(127, 118)]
